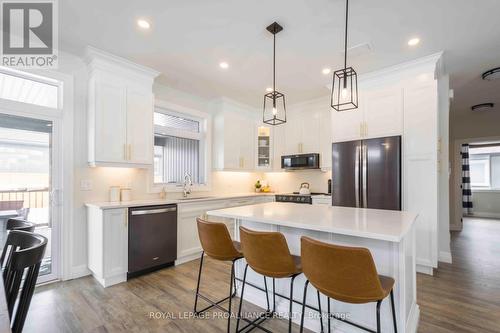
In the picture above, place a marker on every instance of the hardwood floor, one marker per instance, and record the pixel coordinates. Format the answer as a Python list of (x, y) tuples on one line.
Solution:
[(465, 296), (461, 297)]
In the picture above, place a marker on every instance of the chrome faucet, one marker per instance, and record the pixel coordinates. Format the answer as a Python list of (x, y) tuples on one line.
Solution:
[(186, 187)]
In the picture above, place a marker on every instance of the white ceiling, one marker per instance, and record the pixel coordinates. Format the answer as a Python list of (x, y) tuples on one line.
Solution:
[(189, 38)]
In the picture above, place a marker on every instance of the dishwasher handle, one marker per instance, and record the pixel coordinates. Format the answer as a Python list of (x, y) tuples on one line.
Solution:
[(153, 211)]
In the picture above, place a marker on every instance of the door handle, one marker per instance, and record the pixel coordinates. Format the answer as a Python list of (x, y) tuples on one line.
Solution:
[(153, 211), (356, 175), (364, 173)]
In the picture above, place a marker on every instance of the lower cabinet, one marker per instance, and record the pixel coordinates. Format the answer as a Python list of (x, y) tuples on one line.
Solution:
[(108, 244), (188, 244), (107, 231)]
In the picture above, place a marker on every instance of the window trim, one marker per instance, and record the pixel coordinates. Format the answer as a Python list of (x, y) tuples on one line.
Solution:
[(205, 137)]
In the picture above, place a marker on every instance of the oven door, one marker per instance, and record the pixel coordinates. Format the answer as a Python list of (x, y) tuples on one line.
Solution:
[(299, 162)]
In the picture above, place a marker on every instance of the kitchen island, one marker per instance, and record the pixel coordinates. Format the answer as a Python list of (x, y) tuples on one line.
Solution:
[(389, 235)]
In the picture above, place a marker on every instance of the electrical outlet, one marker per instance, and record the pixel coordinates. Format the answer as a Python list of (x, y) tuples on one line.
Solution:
[(86, 185)]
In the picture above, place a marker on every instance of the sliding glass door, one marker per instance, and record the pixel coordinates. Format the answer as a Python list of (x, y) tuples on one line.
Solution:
[(27, 181)]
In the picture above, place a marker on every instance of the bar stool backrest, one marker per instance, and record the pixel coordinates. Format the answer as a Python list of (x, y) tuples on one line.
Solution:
[(347, 274), (19, 224), (21, 258), (216, 241), (267, 253)]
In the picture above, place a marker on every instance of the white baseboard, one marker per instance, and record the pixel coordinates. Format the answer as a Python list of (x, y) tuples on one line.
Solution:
[(485, 214), (425, 269), (188, 258), (445, 257), (413, 319), (79, 271)]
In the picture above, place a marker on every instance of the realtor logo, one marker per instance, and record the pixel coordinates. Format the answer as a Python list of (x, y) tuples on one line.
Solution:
[(29, 33)]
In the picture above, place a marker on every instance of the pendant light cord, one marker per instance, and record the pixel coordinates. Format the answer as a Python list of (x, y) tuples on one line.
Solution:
[(274, 62), (345, 46)]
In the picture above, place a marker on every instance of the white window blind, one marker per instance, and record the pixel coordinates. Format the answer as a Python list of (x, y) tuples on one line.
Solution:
[(177, 148), (21, 88)]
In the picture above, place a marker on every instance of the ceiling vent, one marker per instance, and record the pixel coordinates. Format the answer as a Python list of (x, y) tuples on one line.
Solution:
[(482, 107), (358, 50), (492, 74)]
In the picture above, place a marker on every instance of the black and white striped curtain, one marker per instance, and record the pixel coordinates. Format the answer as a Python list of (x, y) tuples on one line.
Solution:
[(466, 188)]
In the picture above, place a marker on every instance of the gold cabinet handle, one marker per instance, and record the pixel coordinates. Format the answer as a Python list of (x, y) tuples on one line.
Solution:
[(129, 152), (361, 129), (125, 152)]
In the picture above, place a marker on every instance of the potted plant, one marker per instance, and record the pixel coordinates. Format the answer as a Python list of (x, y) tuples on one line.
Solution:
[(258, 186)]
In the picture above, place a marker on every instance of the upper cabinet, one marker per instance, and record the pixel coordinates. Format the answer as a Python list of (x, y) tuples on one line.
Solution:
[(120, 111), (234, 137), (379, 114), (264, 151), (307, 130)]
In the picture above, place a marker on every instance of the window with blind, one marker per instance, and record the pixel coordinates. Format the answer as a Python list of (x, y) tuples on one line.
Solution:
[(484, 162), (178, 148)]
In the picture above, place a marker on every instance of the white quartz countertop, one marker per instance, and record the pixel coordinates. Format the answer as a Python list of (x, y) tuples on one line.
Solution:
[(167, 201), (377, 224)]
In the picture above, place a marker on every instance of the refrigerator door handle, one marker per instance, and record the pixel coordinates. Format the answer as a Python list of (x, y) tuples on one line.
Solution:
[(356, 174), (364, 173)]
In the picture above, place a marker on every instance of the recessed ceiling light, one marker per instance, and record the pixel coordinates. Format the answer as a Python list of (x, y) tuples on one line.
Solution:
[(224, 65), (269, 89), (492, 74), (414, 41), (326, 71), (143, 24), (482, 107)]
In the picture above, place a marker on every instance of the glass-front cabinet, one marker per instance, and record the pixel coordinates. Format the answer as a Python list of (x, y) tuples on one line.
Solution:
[(264, 150)]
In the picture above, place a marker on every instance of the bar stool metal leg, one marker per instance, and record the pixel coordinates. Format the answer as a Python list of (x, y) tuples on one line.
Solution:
[(303, 307), (320, 312), (274, 295), (378, 316), (394, 313), (290, 312), (241, 298), (198, 283), (329, 316), (230, 298), (267, 295)]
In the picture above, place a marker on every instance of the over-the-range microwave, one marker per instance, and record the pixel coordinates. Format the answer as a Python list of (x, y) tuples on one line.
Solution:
[(300, 162)]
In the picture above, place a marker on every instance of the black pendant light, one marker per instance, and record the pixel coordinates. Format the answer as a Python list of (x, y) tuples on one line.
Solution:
[(345, 81), (274, 112)]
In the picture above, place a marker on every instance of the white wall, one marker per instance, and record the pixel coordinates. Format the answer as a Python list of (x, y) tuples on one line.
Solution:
[(102, 178), (288, 182), (444, 169), (486, 203)]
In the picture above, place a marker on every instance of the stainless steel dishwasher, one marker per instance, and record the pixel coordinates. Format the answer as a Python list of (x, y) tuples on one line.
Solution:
[(152, 238)]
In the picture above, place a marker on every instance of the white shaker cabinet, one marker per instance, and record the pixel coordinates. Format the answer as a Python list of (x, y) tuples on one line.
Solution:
[(120, 112), (107, 244), (234, 138), (383, 112), (379, 114)]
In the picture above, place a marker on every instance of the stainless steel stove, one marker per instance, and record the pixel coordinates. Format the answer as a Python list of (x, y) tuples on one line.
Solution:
[(295, 197)]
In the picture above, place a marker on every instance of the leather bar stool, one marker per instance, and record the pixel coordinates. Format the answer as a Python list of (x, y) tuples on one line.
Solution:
[(217, 244), (346, 274), (267, 253)]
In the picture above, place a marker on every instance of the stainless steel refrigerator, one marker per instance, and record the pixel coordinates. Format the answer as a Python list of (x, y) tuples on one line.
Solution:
[(367, 173)]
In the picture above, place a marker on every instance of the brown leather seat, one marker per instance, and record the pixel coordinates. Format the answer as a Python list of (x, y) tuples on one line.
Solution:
[(347, 274), (267, 253), (217, 244), (216, 241)]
